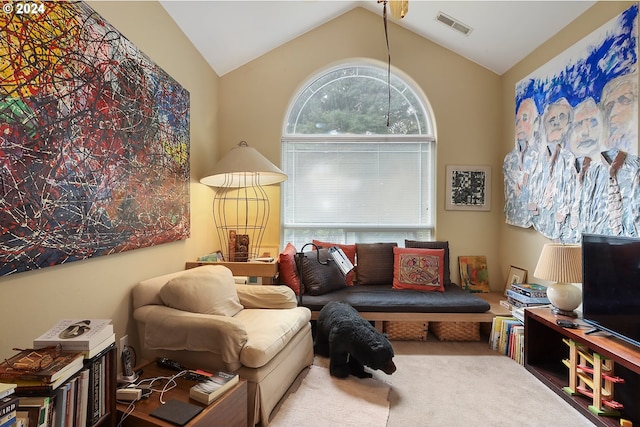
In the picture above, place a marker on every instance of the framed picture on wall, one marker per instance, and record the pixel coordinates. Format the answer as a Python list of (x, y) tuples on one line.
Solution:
[(516, 275), (468, 188)]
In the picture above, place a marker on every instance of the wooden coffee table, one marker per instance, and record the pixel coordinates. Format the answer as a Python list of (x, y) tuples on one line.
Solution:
[(229, 410)]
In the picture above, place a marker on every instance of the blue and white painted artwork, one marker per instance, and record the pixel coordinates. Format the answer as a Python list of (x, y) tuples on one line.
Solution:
[(574, 167)]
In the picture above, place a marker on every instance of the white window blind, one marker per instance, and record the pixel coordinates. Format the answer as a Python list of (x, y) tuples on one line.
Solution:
[(351, 177)]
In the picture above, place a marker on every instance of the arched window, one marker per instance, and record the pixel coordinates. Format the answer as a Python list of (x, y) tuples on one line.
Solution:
[(352, 178)]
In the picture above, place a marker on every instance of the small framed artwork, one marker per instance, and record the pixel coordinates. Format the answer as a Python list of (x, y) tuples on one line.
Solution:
[(516, 275), (468, 188), (474, 274)]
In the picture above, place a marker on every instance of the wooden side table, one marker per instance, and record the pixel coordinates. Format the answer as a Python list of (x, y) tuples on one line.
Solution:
[(267, 270), (229, 410)]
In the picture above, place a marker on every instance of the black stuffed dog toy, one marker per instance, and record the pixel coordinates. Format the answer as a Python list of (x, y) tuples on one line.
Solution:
[(351, 343)]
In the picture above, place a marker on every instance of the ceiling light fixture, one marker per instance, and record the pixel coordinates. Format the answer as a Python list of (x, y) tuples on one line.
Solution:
[(398, 8)]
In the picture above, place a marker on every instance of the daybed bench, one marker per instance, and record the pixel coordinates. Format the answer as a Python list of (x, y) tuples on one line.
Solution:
[(373, 293)]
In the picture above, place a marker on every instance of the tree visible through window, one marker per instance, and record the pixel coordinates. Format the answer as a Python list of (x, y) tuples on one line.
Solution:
[(352, 178)]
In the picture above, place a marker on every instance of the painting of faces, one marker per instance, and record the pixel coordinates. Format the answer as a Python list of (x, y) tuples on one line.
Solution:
[(574, 166)]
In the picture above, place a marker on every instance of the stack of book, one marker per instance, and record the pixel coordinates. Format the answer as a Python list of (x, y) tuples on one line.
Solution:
[(84, 398), (527, 295), (507, 337), (63, 380), (9, 406), (90, 336)]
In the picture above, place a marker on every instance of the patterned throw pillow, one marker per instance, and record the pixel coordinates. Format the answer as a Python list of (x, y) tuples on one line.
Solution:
[(434, 245), (419, 269)]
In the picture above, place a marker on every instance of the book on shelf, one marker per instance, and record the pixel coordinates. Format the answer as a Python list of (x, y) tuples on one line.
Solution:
[(8, 404), (40, 367), (38, 409), (8, 420), (99, 348), (532, 290), (22, 419), (518, 313), (505, 330), (525, 299), (212, 388), (76, 334), (82, 398), (7, 389)]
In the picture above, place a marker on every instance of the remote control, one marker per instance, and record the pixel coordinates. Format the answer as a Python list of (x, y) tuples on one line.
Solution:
[(171, 364), (566, 324)]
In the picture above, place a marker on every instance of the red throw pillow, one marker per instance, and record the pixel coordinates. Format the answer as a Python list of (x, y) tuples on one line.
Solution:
[(419, 269), (287, 268), (349, 251)]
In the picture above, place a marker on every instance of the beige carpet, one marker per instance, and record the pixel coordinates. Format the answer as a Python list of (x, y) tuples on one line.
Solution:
[(437, 384), (322, 400)]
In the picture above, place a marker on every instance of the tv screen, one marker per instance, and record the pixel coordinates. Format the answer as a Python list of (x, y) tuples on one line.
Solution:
[(611, 285)]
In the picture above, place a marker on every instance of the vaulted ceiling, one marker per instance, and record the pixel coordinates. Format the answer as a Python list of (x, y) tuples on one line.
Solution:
[(231, 33)]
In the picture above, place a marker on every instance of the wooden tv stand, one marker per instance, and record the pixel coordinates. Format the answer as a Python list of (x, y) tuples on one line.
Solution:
[(544, 351)]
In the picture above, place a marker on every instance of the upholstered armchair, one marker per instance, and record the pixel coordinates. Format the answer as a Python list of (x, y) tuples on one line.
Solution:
[(202, 319)]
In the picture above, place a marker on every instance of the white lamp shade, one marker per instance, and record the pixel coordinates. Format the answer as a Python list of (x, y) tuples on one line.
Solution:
[(561, 264), (243, 166)]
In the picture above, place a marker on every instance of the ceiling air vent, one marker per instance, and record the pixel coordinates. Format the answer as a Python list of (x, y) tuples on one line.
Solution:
[(453, 23)]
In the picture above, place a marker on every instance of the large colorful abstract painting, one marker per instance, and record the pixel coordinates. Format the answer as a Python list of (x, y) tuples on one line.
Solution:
[(574, 168), (94, 140)]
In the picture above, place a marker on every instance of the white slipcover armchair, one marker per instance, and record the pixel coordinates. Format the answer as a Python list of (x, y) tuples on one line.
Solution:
[(202, 319)]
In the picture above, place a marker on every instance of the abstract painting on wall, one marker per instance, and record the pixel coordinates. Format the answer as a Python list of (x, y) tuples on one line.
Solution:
[(574, 168), (94, 141), (474, 273)]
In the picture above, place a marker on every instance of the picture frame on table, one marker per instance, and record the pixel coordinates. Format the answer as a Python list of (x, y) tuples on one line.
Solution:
[(516, 275), (468, 188)]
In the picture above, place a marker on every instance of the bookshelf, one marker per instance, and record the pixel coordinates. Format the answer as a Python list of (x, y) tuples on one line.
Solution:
[(63, 402), (111, 367), (545, 350)]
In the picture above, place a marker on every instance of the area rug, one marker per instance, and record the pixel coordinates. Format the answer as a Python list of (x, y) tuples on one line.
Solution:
[(443, 384), (322, 400)]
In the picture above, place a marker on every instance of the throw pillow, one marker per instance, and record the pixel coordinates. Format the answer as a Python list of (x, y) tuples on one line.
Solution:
[(209, 289), (375, 263), (419, 269), (288, 271), (349, 251), (318, 278), (434, 245)]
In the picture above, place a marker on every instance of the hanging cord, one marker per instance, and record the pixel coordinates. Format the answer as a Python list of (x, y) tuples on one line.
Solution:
[(386, 36)]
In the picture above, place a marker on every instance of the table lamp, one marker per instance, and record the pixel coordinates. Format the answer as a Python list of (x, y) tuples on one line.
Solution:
[(241, 206), (561, 264)]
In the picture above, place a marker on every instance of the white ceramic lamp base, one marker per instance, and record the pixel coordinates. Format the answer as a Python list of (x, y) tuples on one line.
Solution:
[(565, 298)]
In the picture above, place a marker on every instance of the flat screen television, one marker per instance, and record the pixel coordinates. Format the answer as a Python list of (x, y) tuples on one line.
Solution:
[(611, 285)]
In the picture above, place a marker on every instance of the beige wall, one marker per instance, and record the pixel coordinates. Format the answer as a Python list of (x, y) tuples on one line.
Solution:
[(474, 116), (465, 98), (31, 302), (521, 247)]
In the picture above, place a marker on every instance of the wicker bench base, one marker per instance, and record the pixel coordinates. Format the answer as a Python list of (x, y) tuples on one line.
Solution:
[(406, 331), (456, 331)]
